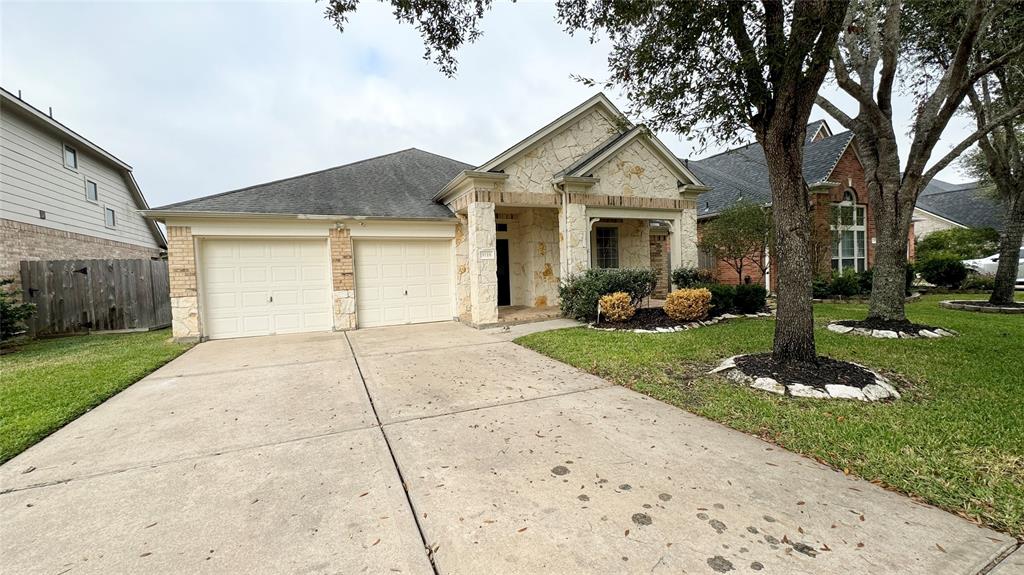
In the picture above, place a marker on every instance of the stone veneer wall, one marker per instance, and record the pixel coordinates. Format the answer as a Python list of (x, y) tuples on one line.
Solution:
[(634, 244), (181, 265), (572, 239), (483, 278), (20, 241), (636, 171), (463, 302), (343, 279)]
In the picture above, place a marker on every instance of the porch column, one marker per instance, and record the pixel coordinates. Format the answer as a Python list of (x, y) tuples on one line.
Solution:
[(574, 234), (483, 263), (684, 239)]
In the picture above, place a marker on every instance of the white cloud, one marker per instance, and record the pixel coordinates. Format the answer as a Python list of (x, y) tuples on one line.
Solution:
[(204, 97)]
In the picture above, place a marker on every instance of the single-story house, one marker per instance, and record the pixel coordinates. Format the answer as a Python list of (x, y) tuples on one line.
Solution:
[(416, 237), (843, 225), (942, 206)]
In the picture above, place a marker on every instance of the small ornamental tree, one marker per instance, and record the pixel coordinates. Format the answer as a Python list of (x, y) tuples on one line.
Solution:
[(738, 236)]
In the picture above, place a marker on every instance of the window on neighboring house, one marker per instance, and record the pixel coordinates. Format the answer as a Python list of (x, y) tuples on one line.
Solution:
[(70, 157), (92, 192), (110, 218), (849, 231), (706, 260), (606, 247)]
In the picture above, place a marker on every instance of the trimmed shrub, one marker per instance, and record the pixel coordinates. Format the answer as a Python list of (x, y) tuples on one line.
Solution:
[(579, 294), (750, 298), (864, 280), (685, 278), (722, 297), (13, 313), (984, 282), (845, 285), (688, 304), (617, 306), (911, 276), (943, 269), (821, 288), (965, 244)]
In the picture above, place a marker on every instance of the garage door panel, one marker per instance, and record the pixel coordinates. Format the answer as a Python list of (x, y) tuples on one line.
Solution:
[(402, 281), (260, 287)]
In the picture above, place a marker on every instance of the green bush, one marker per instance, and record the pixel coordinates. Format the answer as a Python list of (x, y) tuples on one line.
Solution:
[(821, 288), (580, 293), (984, 282), (864, 280), (750, 298), (846, 284), (943, 269), (964, 244), (687, 278), (13, 313), (722, 298), (911, 276)]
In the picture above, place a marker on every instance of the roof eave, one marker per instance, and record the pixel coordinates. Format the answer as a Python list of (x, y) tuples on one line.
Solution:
[(162, 215)]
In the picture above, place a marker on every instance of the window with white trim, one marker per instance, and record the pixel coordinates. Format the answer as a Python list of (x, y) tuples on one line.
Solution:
[(70, 157), (92, 191), (849, 235), (606, 247), (109, 218)]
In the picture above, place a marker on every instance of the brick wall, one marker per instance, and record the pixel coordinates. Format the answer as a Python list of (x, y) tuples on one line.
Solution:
[(181, 261), (341, 260), (20, 241), (660, 262)]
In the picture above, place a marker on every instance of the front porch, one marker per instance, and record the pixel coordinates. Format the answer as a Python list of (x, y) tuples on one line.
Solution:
[(512, 258)]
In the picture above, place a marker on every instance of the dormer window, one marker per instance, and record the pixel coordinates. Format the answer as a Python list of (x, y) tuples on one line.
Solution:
[(70, 158)]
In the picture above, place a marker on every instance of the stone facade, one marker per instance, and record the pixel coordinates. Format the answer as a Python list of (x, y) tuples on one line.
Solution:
[(483, 264), (635, 171), (534, 170), (343, 279), (27, 242), (533, 256), (181, 265), (659, 252), (572, 239)]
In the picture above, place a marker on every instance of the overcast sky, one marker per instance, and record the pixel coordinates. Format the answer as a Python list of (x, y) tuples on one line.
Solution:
[(202, 98)]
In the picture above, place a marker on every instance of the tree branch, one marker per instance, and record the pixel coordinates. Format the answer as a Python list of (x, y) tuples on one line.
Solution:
[(1014, 112), (834, 111), (848, 84), (890, 40)]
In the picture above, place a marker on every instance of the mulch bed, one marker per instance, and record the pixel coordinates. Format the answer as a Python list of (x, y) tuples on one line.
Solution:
[(645, 318), (824, 371), (875, 323)]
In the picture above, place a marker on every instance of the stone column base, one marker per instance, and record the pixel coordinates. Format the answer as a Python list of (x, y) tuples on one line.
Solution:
[(344, 310), (185, 319)]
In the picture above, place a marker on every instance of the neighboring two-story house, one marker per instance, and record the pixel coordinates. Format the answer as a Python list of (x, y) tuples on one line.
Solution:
[(63, 197), (842, 221)]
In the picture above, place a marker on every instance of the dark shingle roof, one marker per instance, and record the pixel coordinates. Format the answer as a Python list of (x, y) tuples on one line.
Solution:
[(397, 185), (965, 204), (741, 174)]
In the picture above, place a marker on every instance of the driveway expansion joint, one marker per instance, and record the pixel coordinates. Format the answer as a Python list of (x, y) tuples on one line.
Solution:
[(394, 461)]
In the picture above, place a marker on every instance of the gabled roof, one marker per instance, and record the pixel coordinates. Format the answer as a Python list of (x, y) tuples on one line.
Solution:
[(397, 185), (10, 99), (586, 165), (964, 204), (742, 174), (598, 101)]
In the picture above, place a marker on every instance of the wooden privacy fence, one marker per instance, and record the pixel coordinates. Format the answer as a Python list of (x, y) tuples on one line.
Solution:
[(74, 296)]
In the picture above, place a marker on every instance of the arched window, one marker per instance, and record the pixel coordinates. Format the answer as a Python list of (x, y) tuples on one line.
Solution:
[(849, 231)]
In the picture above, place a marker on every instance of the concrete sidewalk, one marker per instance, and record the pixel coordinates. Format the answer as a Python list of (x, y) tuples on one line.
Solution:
[(278, 454)]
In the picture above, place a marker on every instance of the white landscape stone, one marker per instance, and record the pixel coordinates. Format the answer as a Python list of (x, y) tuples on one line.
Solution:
[(839, 328), (944, 333), (844, 392), (875, 392), (727, 363), (728, 316), (801, 390), (768, 384), (881, 382), (928, 333), (884, 334)]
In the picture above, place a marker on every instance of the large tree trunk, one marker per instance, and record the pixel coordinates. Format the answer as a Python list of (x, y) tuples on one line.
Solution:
[(891, 212), (794, 322), (1009, 250)]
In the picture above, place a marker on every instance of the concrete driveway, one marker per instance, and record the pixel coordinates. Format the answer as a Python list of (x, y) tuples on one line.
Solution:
[(288, 454)]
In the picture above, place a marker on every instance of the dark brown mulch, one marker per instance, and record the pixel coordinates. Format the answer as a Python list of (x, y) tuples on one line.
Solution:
[(824, 371), (906, 326), (645, 318)]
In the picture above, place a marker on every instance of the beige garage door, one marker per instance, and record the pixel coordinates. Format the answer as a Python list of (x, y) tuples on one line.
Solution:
[(403, 281), (264, 287)]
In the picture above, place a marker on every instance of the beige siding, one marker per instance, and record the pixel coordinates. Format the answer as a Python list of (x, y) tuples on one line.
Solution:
[(33, 178), (926, 223)]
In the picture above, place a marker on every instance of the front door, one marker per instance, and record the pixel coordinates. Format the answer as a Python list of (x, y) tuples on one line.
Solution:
[(504, 291)]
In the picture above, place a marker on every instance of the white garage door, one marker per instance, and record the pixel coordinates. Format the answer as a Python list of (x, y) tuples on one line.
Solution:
[(403, 281), (263, 287)]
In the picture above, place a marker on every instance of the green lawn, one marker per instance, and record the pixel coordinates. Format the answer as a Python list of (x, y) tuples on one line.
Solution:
[(956, 439), (46, 384)]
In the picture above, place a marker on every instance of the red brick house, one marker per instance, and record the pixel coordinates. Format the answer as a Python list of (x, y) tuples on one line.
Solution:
[(843, 224)]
